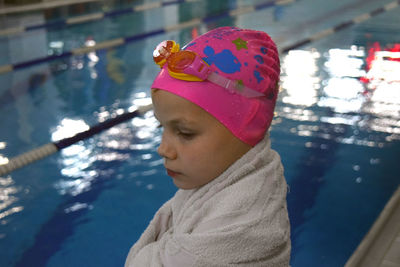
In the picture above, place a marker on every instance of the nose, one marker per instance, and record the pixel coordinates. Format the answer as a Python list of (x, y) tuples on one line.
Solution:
[(166, 148)]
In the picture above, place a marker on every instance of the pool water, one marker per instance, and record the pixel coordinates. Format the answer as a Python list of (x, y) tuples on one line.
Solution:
[(336, 128)]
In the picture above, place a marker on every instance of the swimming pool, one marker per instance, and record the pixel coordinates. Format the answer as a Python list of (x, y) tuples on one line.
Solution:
[(336, 128)]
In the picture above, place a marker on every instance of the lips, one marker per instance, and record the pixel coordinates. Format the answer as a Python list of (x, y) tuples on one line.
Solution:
[(172, 173)]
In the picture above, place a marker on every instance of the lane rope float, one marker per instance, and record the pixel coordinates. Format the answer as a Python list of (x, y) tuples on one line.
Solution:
[(88, 17), (42, 5), (53, 147)]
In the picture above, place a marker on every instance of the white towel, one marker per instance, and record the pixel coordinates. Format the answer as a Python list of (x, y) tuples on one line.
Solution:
[(238, 219)]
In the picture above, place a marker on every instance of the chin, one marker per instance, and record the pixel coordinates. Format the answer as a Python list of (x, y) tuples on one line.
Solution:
[(184, 186)]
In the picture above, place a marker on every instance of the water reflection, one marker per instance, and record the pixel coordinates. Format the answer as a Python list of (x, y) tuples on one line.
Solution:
[(77, 206), (346, 62), (361, 90), (300, 82), (3, 159), (383, 85), (84, 163), (8, 192), (343, 95), (343, 90), (297, 114), (68, 128)]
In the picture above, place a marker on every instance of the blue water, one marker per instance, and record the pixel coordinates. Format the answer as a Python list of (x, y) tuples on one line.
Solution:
[(86, 205)]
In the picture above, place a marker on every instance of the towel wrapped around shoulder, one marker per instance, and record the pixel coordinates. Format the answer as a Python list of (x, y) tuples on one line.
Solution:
[(238, 219)]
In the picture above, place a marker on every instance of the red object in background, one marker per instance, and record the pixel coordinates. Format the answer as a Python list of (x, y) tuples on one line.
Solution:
[(377, 47), (371, 56), (195, 32), (364, 80), (395, 48)]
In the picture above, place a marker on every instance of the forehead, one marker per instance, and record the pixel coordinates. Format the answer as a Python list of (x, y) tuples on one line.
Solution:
[(170, 107)]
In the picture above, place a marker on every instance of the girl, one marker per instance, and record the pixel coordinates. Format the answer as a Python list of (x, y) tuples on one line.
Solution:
[(215, 101)]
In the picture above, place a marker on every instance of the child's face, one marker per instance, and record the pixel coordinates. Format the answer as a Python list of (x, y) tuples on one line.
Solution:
[(195, 146)]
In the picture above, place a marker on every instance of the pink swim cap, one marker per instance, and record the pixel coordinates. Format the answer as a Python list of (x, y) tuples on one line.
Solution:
[(247, 56)]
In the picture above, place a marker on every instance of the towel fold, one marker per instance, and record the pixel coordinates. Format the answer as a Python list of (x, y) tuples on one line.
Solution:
[(240, 218)]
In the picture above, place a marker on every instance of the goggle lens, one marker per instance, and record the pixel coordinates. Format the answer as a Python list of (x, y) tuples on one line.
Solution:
[(178, 62)]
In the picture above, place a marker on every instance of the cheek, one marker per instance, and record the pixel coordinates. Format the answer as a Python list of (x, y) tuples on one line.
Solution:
[(195, 156), (206, 163), (198, 158)]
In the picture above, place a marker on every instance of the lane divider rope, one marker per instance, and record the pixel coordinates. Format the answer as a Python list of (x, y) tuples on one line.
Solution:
[(42, 5), (56, 4), (91, 17), (124, 40), (342, 26), (53, 147)]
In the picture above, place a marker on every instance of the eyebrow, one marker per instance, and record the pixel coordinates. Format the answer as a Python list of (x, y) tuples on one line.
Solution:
[(181, 122), (178, 121)]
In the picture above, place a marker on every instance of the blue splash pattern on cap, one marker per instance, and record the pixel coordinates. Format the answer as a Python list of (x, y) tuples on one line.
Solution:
[(259, 59), (225, 61), (258, 76)]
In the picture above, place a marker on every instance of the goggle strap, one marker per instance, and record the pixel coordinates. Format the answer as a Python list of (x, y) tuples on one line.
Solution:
[(233, 86)]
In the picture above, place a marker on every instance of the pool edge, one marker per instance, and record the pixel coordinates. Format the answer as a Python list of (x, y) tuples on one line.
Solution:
[(380, 239)]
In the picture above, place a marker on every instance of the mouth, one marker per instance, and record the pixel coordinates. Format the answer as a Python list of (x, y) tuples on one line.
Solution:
[(172, 173)]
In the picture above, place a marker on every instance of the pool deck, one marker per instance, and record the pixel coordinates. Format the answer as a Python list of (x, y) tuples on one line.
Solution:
[(381, 246)]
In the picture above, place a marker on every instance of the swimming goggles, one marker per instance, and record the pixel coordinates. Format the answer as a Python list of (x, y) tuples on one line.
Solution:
[(188, 66)]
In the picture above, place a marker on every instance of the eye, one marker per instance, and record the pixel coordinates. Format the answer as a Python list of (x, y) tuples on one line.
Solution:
[(186, 134)]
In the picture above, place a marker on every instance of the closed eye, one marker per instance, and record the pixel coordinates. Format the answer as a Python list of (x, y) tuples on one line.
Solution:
[(186, 135)]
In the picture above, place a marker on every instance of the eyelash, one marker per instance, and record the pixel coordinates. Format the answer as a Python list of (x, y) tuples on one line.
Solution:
[(185, 135)]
